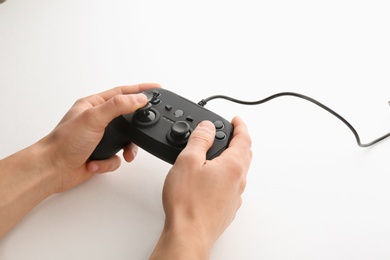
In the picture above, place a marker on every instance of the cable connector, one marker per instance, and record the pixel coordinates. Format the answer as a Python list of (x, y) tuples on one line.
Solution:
[(203, 102)]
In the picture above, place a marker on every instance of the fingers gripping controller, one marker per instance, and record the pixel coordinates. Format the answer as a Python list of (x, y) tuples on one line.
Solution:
[(162, 128), (147, 116)]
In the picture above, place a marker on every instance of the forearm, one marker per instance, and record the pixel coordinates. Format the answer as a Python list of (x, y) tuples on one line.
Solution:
[(24, 182)]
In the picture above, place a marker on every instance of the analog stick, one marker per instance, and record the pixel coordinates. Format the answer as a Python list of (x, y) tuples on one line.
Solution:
[(179, 133), (146, 116)]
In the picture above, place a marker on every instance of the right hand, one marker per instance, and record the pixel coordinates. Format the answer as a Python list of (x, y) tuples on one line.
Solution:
[(201, 197)]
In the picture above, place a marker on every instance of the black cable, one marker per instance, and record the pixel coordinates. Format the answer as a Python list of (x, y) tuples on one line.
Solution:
[(203, 102)]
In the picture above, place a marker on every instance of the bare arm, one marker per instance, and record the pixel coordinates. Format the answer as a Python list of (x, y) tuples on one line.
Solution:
[(59, 161), (201, 197)]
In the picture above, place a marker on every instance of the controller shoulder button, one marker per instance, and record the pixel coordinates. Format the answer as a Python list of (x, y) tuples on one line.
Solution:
[(155, 101)]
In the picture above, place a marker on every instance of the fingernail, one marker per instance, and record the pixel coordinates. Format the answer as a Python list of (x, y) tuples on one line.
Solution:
[(207, 125), (141, 98), (94, 168)]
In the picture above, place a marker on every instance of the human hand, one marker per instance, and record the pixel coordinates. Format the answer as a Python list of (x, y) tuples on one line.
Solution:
[(201, 197), (73, 140), (59, 161)]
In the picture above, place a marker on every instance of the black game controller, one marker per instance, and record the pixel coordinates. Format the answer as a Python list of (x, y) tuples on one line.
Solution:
[(162, 128)]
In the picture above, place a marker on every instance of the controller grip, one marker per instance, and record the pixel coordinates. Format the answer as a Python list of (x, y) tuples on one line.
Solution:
[(114, 139)]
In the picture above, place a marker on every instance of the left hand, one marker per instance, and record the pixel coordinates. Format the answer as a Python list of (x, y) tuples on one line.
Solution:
[(73, 140)]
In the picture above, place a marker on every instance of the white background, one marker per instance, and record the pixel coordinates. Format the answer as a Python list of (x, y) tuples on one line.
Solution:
[(312, 193)]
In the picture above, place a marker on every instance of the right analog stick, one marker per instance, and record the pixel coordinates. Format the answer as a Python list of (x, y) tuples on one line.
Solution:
[(179, 133)]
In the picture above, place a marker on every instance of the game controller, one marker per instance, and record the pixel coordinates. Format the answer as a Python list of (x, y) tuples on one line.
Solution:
[(162, 128)]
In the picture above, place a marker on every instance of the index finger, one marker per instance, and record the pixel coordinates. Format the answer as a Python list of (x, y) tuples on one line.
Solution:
[(240, 134), (240, 145), (122, 90)]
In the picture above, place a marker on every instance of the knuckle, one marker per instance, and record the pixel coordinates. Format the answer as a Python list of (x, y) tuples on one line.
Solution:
[(117, 101), (80, 101), (112, 164), (239, 203), (237, 163), (90, 118), (202, 137), (236, 169), (187, 157), (249, 141), (204, 141), (117, 89), (242, 185), (88, 115)]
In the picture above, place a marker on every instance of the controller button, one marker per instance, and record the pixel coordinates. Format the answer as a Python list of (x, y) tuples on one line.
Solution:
[(189, 118), (219, 125), (156, 94), (219, 135), (155, 101), (179, 113), (180, 130), (179, 133), (168, 107), (146, 116)]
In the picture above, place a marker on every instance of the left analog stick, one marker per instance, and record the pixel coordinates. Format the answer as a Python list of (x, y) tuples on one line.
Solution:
[(146, 116)]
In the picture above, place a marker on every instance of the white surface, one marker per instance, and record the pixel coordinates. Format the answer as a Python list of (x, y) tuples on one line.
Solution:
[(311, 192)]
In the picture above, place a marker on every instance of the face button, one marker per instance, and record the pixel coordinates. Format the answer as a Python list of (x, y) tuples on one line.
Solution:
[(219, 135), (219, 125), (179, 113)]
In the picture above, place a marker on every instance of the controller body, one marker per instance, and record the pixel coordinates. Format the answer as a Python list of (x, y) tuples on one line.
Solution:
[(162, 128)]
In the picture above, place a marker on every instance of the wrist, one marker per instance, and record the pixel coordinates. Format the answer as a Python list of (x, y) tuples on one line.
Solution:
[(26, 179), (31, 169), (182, 241), (43, 170)]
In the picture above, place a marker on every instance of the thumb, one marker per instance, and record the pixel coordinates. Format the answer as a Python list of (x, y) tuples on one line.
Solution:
[(200, 141)]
